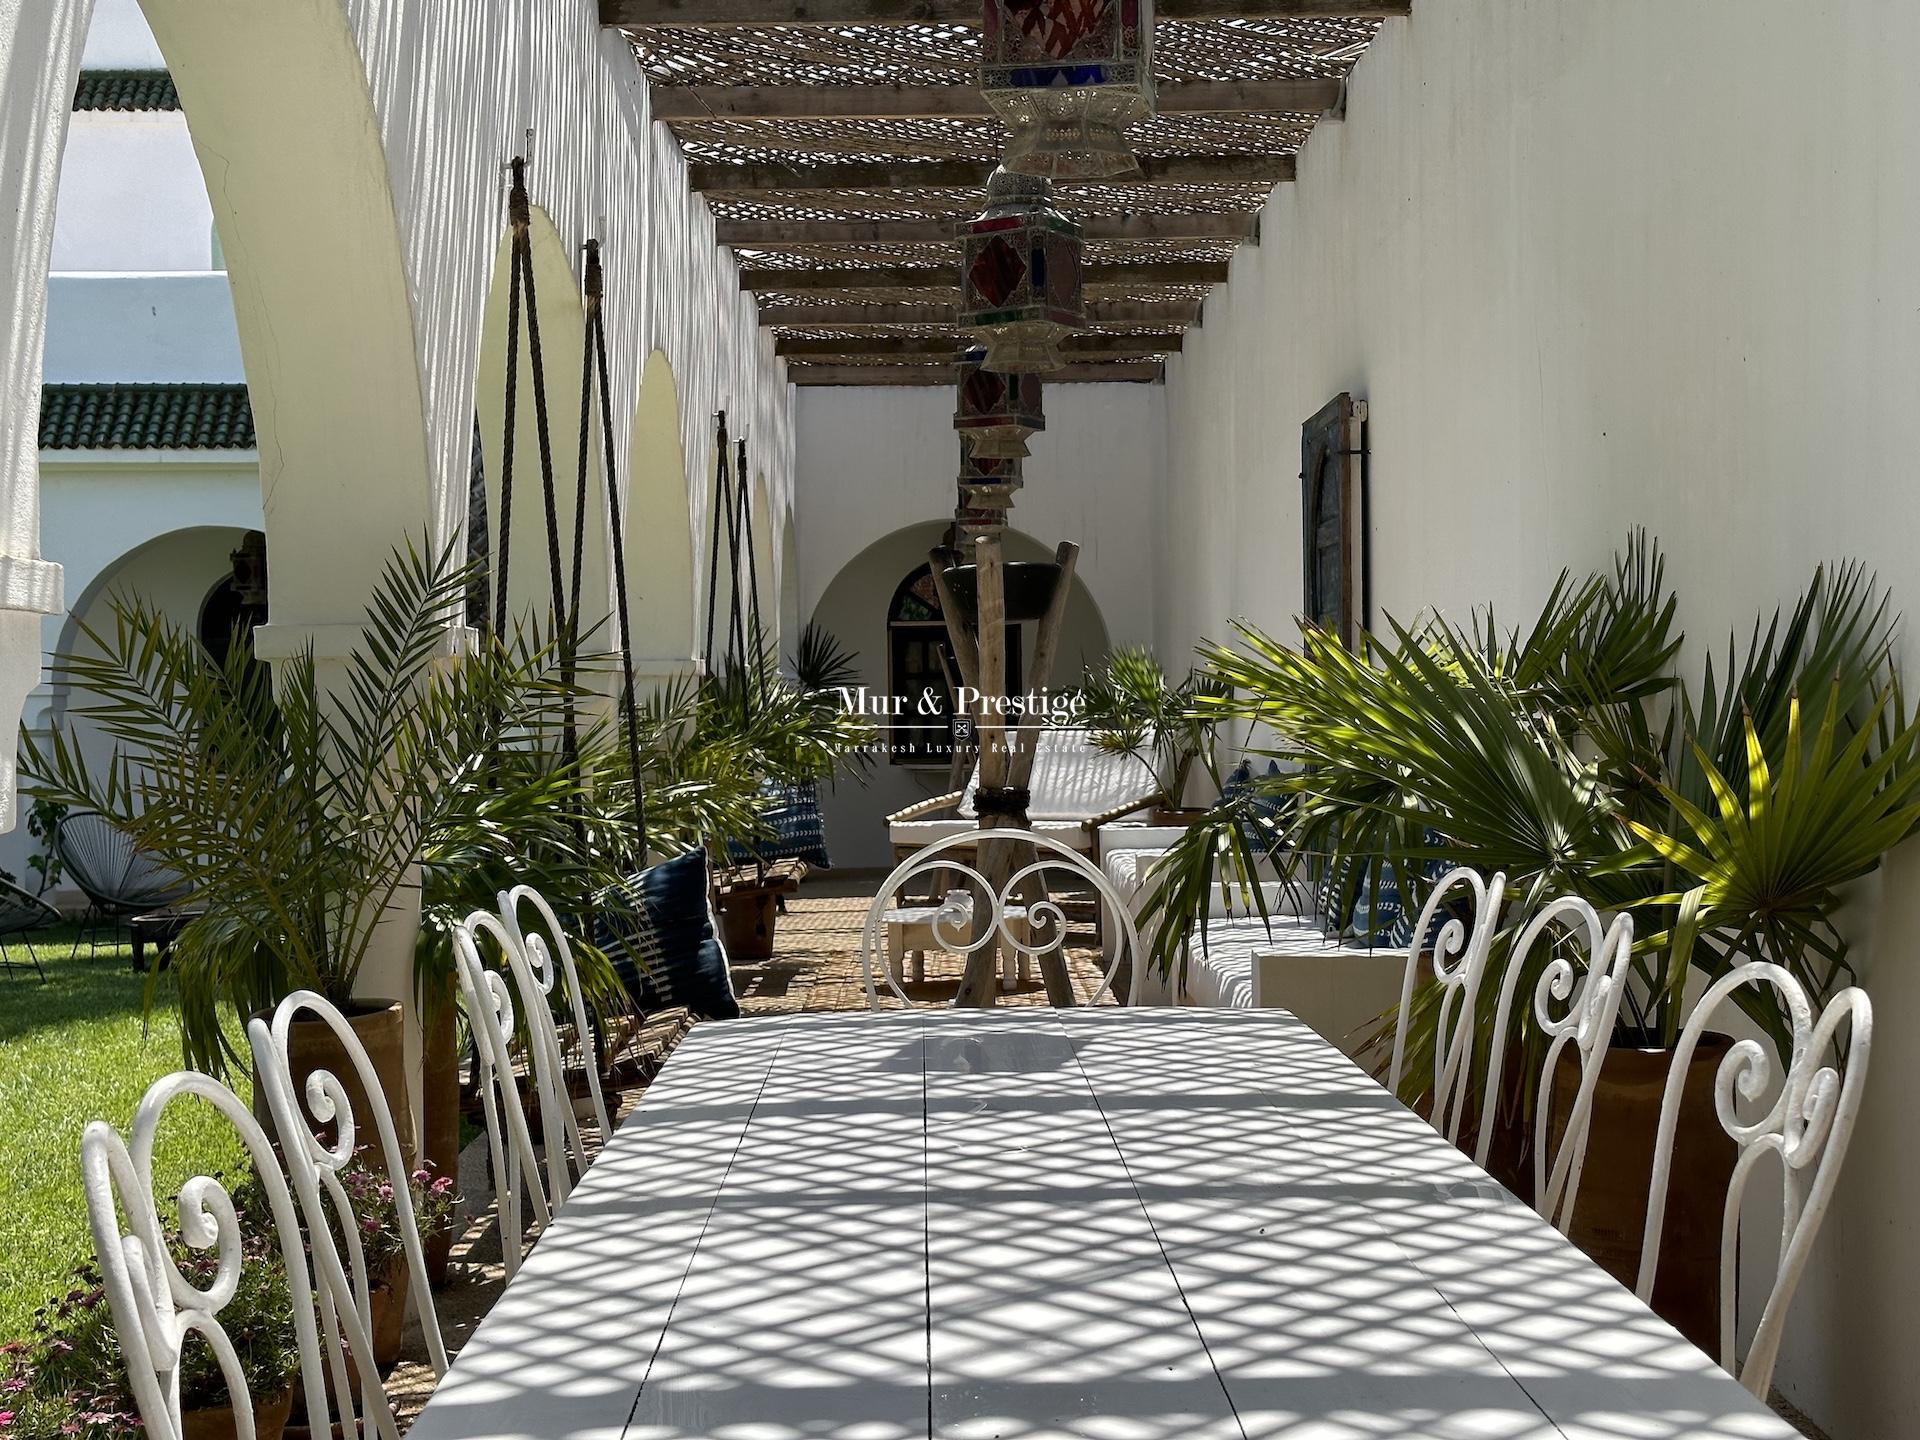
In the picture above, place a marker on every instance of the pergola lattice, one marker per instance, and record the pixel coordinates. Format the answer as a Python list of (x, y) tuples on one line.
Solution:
[(840, 141)]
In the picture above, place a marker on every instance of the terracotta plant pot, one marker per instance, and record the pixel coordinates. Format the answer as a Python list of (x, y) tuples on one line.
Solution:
[(440, 1120), (270, 1413), (1609, 1219), (747, 917), (389, 1302), (311, 1045)]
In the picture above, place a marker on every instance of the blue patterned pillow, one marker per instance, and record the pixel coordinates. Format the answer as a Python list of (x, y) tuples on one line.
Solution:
[(1378, 914), (1260, 828), (798, 831), (657, 929)]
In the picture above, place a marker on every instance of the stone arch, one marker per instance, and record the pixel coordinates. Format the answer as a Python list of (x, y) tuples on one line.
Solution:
[(853, 607), (659, 526), (563, 323), (173, 571), (766, 556), (278, 106), (789, 607)]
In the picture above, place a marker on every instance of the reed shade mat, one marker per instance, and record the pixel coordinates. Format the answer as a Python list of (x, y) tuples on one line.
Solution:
[(1041, 1223)]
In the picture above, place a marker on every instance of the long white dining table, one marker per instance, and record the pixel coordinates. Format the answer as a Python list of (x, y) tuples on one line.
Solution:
[(1139, 1224)]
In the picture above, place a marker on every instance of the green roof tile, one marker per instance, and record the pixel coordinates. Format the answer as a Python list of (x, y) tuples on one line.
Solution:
[(125, 90), (145, 417)]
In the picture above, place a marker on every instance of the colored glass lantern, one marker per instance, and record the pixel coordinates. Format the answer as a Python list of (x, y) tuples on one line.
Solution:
[(1067, 77), (997, 411), (986, 492), (1020, 288)]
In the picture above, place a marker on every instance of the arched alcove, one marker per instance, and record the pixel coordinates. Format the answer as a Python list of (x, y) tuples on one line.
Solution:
[(855, 608), (562, 318), (174, 573), (790, 621), (766, 563), (659, 525)]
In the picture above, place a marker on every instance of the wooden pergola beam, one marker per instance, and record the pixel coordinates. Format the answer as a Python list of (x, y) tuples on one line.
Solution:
[(929, 316), (757, 13), (947, 277), (712, 178), (919, 102), (946, 348), (800, 234), (1138, 372)]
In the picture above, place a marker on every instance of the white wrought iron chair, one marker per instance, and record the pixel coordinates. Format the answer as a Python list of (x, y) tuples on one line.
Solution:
[(314, 1167), (156, 1310), (532, 955), (490, 1014), (1807, 1127), (1045, 923), (1459, 983), (1592, 994)]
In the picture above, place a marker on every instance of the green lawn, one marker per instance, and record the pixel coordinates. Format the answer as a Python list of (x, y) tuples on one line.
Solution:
[(75, 1048)]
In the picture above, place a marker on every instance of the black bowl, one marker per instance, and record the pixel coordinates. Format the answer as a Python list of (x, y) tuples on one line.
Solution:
[(1028, 585)]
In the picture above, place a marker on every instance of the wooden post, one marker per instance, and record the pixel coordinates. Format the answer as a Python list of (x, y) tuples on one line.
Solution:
[(1053, 963), (980, 984)]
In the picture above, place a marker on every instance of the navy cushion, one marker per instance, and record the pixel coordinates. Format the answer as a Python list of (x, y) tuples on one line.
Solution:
[(657, 929), (798, 831), (1378, 914), (1260, 828)]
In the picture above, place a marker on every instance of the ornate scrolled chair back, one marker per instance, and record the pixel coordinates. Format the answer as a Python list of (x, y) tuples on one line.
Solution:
[(157, 1311), (488, 998), (1573, 1005), (345, 1283), (541, 958), (957, 928), (1459, 961), (1806, 1129)]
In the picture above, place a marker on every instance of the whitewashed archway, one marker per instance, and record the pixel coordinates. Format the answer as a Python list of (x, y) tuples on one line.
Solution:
[(659, 524)]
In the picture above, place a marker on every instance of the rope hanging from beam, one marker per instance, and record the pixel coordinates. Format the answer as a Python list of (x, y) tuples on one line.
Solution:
[(597, 366)]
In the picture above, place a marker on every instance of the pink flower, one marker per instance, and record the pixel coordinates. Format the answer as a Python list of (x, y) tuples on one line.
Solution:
[(386, 1192), (15, 1385), (6, 1419), (443, 1185)]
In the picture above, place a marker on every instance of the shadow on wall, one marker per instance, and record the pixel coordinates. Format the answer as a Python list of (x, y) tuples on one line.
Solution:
[(854, 608)]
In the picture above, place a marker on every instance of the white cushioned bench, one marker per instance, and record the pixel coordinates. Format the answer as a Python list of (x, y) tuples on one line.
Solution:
[(1076, 788)]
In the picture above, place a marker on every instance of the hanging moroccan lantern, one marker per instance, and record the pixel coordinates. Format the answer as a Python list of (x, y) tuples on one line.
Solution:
[(1068, 77), (1020, 275), (986, 492), (997, 412)]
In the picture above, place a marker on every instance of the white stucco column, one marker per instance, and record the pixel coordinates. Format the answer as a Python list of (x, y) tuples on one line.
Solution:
[(40, 43)]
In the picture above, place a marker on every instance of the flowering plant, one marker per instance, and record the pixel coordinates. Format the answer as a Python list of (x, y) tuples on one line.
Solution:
[(67, 1381), (377, 1213)]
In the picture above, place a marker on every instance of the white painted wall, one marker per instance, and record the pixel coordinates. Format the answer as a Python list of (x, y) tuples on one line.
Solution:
[(118, 39), (876, 480), (875, 460), (132, 197), (1593, 266), (148, 328)]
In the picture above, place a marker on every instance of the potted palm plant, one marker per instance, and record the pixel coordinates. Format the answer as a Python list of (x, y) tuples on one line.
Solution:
[(1727, 817), (782, 732), (297, 813), (1132, 707)]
